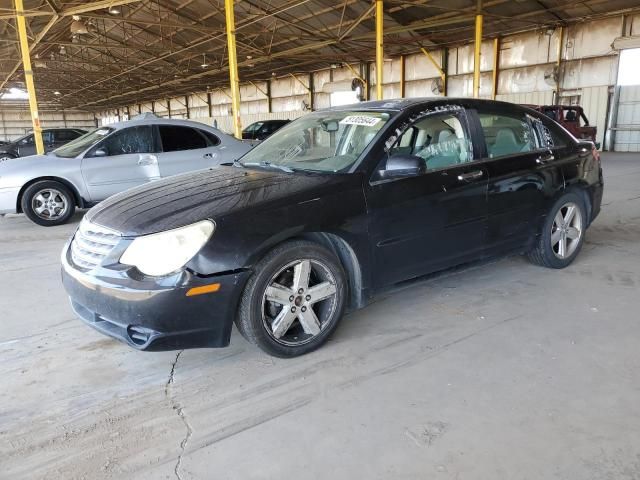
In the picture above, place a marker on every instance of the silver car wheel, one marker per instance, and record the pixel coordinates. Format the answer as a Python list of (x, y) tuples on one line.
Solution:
[(299, 302), (50, 204), (566, 231)]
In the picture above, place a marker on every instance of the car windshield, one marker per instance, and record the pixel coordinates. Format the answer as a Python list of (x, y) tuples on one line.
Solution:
[(80, 144), (328, 141)]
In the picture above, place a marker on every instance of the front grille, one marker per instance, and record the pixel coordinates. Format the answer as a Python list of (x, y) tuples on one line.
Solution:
[(91, 244)]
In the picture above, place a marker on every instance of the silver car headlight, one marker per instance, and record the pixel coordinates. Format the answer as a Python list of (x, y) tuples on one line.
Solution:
[(165, 252)]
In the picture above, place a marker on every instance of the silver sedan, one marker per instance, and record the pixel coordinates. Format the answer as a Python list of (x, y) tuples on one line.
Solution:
[(109, 160)]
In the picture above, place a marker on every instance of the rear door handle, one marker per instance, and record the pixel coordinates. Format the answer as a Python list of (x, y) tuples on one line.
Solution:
[(208, 155), (466, 177), (147, 160)]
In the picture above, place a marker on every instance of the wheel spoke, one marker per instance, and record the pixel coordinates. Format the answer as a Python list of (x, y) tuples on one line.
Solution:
[(282, 322), (321, 292), (562, 246), (573, 233), (40, 209), (279, 294), (309, 321), (40, 198), (559, 219), (301, 274), (556, 237), (571, 212)]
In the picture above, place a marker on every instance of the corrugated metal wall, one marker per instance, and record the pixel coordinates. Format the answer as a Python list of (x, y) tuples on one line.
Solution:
[(16, 122), (526, 75), (627, 135)]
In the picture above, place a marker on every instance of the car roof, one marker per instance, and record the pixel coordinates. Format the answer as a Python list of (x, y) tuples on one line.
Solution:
[(401, 104), (159, 121)]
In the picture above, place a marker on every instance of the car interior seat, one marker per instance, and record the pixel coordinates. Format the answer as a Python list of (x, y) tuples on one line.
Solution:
[(505, 143)]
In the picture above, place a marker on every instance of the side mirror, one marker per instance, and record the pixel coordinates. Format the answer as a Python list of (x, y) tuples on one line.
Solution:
[(402, 165), (100, 152)]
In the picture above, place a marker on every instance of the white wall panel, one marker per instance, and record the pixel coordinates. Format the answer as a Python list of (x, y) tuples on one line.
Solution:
[(16, 122), (594, 101)]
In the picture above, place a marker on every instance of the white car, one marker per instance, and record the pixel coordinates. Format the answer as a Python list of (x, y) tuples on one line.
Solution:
[(109, 160)]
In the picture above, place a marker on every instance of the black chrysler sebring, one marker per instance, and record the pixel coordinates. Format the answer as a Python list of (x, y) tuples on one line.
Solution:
[(331, 209)]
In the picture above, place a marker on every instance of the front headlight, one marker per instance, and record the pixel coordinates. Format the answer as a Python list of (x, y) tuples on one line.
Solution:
[(165, 252)]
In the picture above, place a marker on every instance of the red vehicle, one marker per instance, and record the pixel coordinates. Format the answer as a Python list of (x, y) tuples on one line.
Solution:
[(572, 118)]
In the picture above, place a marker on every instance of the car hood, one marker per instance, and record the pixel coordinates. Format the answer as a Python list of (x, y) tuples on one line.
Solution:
[(215, 193), (20, 164)]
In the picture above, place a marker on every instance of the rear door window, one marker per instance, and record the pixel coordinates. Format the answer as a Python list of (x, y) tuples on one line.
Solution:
[(63, 136), (506, 134), (175, 138)]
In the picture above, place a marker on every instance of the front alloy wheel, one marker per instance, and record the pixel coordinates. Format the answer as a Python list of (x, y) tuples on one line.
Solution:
[(299, 302), (48, 203), (294, 300)]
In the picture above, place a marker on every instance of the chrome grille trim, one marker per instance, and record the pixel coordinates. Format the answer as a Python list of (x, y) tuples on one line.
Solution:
[(91, 244)]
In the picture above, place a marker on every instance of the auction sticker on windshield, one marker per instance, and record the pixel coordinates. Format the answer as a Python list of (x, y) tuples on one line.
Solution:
[(360, 120)]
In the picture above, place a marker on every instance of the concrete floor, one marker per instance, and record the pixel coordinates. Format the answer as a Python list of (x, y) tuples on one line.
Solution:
[(499, 371)]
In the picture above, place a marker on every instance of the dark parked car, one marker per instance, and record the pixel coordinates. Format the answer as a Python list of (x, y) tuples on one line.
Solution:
[(26, 145), (331, 209), (261, 130)]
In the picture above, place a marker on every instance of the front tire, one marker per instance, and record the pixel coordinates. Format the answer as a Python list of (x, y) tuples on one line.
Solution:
[(48, 203), (294, 300), (562, 233)]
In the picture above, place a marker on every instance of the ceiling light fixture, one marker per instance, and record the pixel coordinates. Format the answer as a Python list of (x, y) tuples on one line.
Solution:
[(204, 61), (114, 10), (56, 93)]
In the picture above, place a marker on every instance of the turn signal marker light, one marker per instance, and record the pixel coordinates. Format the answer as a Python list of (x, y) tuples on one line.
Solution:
[(192, 292)]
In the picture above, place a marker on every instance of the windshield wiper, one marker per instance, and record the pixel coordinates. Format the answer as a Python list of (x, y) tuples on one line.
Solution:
[(266, 164)]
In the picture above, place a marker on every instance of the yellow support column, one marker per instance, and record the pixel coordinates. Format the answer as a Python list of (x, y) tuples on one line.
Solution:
[(233, 68), (28, 75), (476, 56), (379, 48), (496, 67)]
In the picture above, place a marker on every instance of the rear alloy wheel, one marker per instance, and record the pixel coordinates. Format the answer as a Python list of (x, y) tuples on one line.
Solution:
[(562, 234), (48, 203), (294, 300)]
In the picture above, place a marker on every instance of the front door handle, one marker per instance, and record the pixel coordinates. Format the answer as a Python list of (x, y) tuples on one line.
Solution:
[(147, 160), (545, 157), (467, 177)]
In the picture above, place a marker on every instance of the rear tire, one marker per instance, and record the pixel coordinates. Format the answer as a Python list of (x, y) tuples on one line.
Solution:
[(48, 203), (562, 234), (294, 300)]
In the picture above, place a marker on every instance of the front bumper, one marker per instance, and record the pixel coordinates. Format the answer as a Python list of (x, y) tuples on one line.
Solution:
[(9, 199), (154, 314)]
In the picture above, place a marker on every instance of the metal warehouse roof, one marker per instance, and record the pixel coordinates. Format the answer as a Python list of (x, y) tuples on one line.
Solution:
[(101, 53)]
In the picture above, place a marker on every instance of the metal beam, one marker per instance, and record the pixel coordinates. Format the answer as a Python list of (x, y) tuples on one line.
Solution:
[(233, 67), (35, 42), (402, 60), (496, 67), (90, 7), (433, 61), (477, 49), (379, 48), (28, 75), (559, 64)]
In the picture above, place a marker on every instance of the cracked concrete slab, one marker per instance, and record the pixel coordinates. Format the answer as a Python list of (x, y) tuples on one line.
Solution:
[(499, 370)]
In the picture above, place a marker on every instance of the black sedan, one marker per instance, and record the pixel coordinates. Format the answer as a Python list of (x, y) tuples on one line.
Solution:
[(331, 209), (261, 130), (52, 138)]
